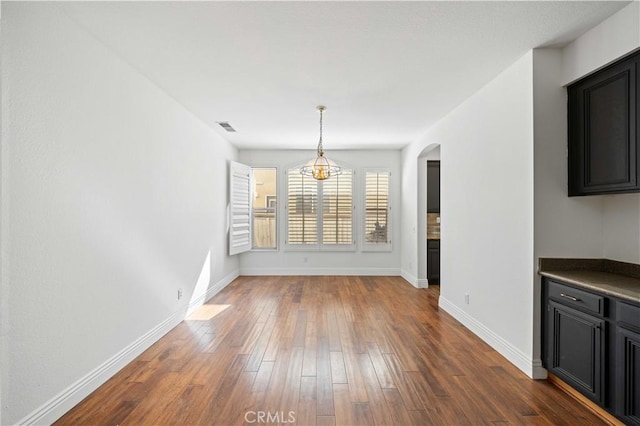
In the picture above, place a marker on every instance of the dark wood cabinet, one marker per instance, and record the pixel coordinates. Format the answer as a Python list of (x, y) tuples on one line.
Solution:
[(575, 343), (591, 341), (433, 187), (628, 363), (433, 206), (433, 261), (603, 140)]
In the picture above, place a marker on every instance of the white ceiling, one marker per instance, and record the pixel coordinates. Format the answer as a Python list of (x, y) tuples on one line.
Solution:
[(385, 70)]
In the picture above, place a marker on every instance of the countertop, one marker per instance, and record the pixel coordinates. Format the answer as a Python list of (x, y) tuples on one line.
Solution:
[(618, 279)]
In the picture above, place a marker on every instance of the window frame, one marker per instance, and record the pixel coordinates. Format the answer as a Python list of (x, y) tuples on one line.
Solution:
[(319, 245), (376, 247)]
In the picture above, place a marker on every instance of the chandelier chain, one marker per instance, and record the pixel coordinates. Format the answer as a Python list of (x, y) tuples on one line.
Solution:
[(320, 150)]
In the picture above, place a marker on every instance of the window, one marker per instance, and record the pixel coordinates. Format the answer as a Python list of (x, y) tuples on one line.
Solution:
[(337, 209), (302, 221), (265, 212), (320, 213), (376, 222)]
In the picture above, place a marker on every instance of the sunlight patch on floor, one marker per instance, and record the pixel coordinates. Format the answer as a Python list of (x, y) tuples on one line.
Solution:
[(206, 312)]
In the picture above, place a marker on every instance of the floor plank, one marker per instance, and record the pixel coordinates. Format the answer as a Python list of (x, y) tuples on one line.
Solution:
[(323, 351)]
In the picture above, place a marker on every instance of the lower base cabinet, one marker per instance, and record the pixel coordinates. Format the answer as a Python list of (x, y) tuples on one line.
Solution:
[(576, 346), (591, 341), (433, 261), (628, 378)]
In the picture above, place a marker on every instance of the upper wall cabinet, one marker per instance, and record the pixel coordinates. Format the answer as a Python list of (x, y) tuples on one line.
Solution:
[(433, 186), (603, 138)]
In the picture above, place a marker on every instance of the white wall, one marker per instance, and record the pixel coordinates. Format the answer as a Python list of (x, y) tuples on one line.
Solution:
[(526, 108), (621, 227), (596, 226), (113, 198), (4, 307), (564, 227), (487, 210), (283, 262), (613, 38), (409, 197)]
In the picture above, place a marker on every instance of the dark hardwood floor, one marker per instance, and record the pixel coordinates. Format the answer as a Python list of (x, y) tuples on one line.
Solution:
[(325, 351)]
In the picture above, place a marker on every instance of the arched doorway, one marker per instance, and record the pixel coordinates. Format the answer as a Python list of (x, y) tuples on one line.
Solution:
[(428, 218)]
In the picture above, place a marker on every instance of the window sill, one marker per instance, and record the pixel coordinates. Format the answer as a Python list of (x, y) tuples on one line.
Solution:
[(315, 248), (377, 248)]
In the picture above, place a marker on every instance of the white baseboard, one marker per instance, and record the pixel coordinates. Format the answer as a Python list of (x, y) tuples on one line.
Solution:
[(423, 283), (320, 271), (532, 368), (539, 372), (410, 278), (53, 409), (212, 291)]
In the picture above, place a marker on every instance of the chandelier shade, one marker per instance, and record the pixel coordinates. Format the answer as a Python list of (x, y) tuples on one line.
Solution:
[(320, 168)]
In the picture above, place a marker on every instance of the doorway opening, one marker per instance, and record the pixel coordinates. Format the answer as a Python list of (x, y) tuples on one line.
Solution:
[(429, 216)]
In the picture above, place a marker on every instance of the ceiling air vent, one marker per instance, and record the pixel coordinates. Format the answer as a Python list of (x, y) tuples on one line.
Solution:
[(225, 125)]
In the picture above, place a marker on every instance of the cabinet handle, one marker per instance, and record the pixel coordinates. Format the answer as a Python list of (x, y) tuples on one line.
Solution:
[(569, 297)]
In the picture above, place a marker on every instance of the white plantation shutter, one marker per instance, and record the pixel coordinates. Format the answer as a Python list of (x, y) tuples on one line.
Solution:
[(377, 208), (337, 209), (240, 205), (320, 213), (302, 209)]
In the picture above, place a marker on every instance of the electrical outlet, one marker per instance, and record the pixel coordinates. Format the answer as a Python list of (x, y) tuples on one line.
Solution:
[(179, 293), (466, 298)]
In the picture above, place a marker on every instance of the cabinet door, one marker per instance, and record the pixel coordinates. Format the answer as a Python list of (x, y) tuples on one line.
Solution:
[(433, 265), (576, 349), (603, 142), (433, 187), (629, 375)]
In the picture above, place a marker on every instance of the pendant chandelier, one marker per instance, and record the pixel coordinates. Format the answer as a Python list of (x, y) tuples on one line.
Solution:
[(320, 168)]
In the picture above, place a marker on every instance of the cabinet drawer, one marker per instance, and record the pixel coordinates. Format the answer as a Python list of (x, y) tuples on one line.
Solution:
[(576, 298), (628, 315)]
